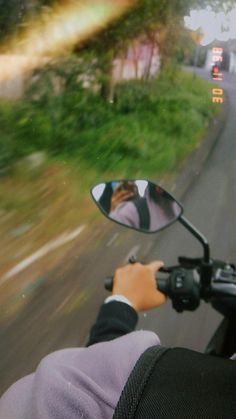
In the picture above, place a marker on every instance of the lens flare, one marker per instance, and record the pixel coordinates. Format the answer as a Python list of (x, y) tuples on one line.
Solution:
[(57, 31)]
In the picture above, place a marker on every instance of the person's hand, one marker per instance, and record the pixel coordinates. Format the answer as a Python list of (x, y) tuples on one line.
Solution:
[(137, 283), (120, 196), (122, 193)]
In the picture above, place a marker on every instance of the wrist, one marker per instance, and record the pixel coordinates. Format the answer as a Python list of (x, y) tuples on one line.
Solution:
[(120, 298)]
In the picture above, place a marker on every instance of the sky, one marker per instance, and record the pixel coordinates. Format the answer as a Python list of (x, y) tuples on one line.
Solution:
[(216, 26)]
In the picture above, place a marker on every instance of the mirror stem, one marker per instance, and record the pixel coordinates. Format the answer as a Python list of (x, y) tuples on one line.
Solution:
[(198, 236)]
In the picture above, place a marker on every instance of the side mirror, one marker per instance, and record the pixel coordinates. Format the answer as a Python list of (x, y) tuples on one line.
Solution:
[(138, 204)]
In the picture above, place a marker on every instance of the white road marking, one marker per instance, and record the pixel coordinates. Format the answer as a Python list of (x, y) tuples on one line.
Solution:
[(52, 245), (113, 238)]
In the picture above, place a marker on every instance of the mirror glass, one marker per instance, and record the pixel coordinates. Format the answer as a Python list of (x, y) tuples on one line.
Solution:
[(139, 204)]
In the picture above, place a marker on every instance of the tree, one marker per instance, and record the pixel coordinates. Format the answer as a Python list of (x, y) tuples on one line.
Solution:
[(160, 21), (14, 12), (162, 18), (156, 21)]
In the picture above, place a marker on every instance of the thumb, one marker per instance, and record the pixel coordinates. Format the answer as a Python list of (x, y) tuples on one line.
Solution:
[(155, 266)]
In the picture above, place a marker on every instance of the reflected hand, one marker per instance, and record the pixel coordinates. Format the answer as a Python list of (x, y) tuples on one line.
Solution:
[(120, 195), (137, 283)]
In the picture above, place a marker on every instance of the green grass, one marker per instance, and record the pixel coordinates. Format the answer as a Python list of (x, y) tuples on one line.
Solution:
[(147, 132), (149, 129)]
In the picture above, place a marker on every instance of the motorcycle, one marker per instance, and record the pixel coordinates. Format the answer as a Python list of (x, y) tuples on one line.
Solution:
[(215, 71), (148, 208)]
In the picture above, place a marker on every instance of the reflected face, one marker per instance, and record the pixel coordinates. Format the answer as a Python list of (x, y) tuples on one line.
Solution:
[(138, 204)]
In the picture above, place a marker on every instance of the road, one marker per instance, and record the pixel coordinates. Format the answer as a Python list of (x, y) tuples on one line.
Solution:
[(59, 313), (210, 205)]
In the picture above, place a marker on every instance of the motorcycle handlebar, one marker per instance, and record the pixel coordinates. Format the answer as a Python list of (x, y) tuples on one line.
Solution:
[(184, 287), (108, 283), (162, 282)]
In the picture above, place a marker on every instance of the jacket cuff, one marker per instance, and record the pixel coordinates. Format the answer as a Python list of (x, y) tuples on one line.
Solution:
[(114, 319)]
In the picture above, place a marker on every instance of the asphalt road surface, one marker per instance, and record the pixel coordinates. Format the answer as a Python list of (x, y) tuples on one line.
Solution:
[(60, 312), (210, 205)]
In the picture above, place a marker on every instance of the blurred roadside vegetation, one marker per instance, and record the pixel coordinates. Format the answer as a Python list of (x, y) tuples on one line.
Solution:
[(147, 131), (145, 128), (149, 127)]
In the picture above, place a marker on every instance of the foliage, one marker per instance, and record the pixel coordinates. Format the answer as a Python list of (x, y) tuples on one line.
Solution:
[(146, 17), (13, 14), (150, 124)]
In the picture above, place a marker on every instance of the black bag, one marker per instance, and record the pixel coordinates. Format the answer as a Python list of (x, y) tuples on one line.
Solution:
[(179, 383)]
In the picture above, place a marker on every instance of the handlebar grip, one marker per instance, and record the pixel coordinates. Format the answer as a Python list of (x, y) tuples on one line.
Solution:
[(108, 283), (163, 285)]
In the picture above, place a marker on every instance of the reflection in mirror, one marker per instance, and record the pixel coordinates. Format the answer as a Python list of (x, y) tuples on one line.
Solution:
[(138, 204)]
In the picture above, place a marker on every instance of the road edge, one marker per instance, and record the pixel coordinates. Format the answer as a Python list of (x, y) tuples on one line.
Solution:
[(195, 162)]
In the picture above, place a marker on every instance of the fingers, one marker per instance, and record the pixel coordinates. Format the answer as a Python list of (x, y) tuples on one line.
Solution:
[(137, 282), (121, 196), (155, 265)]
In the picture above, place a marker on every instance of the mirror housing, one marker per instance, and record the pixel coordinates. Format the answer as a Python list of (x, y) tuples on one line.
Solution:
[(137, 204)]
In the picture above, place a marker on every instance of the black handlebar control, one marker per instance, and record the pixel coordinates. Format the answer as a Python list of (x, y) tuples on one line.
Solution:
[(182, 286)]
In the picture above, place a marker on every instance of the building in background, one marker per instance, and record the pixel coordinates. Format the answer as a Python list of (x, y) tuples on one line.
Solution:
[(229, 56), (141, 61)]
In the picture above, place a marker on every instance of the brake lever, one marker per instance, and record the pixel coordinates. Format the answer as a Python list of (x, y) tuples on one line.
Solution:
[(133, 259), (108, 283)]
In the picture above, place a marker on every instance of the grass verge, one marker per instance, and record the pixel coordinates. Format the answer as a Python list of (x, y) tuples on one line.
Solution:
[(147, 132)]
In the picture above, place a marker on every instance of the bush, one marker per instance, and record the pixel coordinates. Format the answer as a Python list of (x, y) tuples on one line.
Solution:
[(150, 125)]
